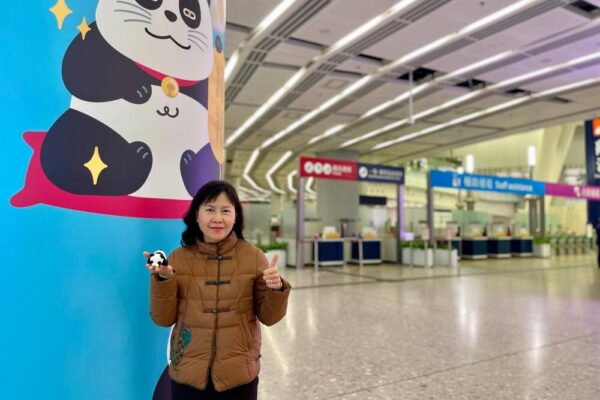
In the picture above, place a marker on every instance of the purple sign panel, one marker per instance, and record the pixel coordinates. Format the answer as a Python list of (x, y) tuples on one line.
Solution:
[(591, 193)]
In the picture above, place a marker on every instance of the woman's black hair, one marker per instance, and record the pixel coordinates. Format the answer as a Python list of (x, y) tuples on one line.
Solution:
[(207, 193)]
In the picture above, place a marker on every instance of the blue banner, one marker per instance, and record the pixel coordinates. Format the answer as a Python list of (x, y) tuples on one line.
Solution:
[(486, 183), (380, 173), (592, 164), (90, 105)]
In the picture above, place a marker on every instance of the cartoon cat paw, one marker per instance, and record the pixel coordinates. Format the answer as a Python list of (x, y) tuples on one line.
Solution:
[(142, 155), (140, 94)]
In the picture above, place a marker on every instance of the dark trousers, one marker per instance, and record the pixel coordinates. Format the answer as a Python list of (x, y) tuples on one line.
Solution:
[(248, 391)]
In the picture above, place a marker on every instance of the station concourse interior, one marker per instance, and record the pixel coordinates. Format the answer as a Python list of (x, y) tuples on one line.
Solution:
[(474, 274)]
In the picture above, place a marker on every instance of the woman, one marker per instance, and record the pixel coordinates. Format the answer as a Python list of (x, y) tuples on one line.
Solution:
[(215, 289)]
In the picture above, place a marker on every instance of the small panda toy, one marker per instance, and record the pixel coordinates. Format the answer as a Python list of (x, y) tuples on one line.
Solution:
[(158, 259)]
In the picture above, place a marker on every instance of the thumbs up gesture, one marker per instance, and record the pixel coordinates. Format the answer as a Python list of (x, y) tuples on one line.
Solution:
[(271, 275)]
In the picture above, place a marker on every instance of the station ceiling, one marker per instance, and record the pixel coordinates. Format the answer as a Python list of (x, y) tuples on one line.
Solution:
[(395, 80)]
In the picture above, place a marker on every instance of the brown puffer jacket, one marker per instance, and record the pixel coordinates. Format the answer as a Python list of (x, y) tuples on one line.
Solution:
[(216, 299)]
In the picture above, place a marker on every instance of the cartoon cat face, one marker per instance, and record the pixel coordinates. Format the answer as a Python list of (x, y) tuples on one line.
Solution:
[(173, 37)]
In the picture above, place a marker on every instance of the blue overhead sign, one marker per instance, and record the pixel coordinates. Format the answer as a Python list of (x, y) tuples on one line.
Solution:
[(486, 183), (380, 173)]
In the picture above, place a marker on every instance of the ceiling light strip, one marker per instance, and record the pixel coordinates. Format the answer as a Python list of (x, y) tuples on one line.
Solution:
[(269, 174), (469, 96), (290, 181), (261, 27), (488, 111)]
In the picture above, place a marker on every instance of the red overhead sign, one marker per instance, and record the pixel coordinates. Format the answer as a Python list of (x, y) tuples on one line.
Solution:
[(324, 168)]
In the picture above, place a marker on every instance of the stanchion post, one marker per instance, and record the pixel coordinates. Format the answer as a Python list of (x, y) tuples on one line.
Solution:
[(300, 224)]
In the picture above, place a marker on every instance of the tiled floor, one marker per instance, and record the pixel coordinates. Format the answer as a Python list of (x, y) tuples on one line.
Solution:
[(498, 329)]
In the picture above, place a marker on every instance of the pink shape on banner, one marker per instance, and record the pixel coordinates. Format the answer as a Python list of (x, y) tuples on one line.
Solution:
[(573, 191), (39, 190)]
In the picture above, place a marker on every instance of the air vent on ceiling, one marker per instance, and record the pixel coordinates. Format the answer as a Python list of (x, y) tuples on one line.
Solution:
[(472, 84), (516, 91), (560, 100), (418, 74), (335, 84), (584, 8)]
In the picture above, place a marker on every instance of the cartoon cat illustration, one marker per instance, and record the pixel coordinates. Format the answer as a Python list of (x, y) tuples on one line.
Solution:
[(138, 121)]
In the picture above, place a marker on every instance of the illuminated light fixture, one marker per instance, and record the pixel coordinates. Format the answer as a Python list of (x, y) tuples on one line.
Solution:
[(247, 170), (403, 60), (480, 64), (470, 163), (269, 174), (400, 98), (496, 108), (284, 5), (335, 99), (329, 132), (290, 181), (455, 121), (375, 132), (463, 32), (531, 156), (276, 13), (495, 16), (262, 26), (566, 88), (231, 63), (309, 183), (547, 70), (252, 193), (265, 107), (463, 98), (249, 179), (366, 27)]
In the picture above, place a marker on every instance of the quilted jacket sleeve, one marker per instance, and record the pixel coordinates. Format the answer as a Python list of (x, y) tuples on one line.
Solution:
[(270, 305), (163, 297)]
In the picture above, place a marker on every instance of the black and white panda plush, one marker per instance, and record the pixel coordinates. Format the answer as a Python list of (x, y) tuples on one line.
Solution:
[(158, 259), (138, 122)]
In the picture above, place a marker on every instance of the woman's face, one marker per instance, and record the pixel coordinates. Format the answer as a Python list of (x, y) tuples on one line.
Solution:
[(216, 219)]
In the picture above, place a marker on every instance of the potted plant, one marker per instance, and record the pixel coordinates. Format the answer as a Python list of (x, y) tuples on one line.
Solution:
[(415, 252), (445, 254), (275, 248), (541, 247)]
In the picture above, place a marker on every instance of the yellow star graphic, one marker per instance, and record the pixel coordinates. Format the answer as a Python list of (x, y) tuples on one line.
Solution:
[(84, 28), (95, 165), (60, 11)]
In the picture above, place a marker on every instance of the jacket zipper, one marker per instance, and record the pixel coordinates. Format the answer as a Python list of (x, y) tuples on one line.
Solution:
[(214, 338)]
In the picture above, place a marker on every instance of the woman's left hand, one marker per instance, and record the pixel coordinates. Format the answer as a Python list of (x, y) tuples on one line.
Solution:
[(271, 275)]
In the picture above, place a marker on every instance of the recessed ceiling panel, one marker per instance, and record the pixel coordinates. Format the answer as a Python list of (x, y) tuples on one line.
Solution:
[(236, 114), (324, 90), (590, 72), (292, 53), (375, 98), (263, 84), (248, 13), (232, 40), (340, 18)]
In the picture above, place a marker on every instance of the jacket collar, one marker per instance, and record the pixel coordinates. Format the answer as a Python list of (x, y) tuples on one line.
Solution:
[(220, 248)]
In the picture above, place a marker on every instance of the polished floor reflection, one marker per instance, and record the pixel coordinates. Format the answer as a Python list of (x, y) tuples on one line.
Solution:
[(498, 329)]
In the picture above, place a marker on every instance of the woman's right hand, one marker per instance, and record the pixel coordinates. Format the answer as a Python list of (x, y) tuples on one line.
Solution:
[(165, 272)]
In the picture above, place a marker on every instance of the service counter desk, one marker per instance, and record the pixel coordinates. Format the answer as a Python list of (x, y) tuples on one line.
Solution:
[(456, 245), (522, 247), (371, 251), (329, 252), (475, 248), (500, 247)]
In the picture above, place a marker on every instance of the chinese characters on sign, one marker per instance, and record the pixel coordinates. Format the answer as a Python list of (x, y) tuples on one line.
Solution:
[(486, 183), (327, 169)]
